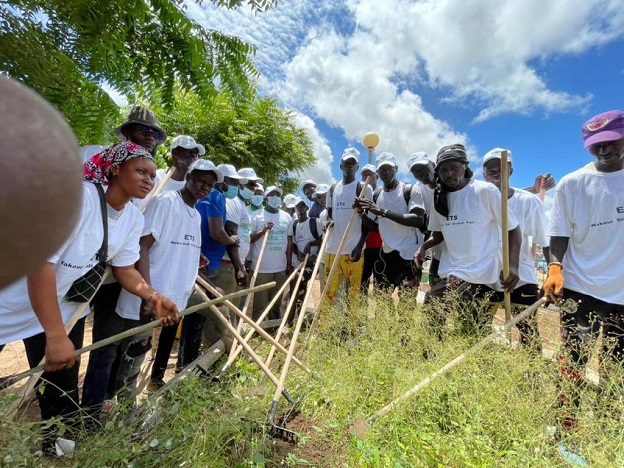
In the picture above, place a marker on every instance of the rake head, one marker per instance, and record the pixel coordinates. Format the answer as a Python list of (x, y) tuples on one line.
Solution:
[(279, 430)]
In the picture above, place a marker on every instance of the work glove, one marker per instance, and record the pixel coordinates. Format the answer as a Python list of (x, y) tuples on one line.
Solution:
[(553, 287)]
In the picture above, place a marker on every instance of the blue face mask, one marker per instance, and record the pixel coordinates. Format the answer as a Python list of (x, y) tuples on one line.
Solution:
[(231, 192), (274, 201), (246, 194), (256, 200)]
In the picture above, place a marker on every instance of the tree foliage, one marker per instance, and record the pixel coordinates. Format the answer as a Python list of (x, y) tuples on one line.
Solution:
[(144, 49), (248, 133)]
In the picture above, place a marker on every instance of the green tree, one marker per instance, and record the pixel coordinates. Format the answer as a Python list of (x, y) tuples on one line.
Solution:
[(144, 49), (246, 133)]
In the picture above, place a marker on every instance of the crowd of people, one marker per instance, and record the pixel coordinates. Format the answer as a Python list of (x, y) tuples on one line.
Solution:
[(158, 230)]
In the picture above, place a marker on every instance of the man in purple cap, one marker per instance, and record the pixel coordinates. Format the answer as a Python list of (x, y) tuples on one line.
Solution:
[(586, 236)]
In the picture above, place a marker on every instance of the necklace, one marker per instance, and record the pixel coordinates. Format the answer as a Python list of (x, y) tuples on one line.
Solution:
[(191, 211)]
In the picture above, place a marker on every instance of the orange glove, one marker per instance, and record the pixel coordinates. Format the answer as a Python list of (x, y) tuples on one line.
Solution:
[(553, 287)]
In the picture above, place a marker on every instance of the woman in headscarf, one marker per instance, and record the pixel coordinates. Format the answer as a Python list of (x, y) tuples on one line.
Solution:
[(36, 309)]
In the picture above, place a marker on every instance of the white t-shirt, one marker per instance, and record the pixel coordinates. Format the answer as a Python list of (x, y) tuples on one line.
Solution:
[(74, 259), (427, 195), (274, 257), (303, 234), (395, 236), (236, 212), (171, 185), (472, 233), (341, 203), (529, 211), (174, 256), (589, 209)]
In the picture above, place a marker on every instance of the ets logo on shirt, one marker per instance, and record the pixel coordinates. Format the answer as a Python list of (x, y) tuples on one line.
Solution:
[(620, 209), (451, 218)]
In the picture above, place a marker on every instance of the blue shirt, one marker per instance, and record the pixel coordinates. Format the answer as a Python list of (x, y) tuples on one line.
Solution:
[(315, 210), (213, 206)]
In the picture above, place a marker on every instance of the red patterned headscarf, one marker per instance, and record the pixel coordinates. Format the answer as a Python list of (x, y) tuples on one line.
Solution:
[(98, 168)]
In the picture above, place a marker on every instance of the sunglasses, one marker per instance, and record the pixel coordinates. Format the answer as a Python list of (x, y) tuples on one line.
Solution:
[(145, 130)]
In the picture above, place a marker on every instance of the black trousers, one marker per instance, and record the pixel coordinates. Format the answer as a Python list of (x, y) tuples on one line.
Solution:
[(165, 345), (59, 397), (371, 255), (392, 270), (468, 299)]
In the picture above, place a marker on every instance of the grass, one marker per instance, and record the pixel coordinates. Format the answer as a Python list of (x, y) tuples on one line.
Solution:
[(491, 410)]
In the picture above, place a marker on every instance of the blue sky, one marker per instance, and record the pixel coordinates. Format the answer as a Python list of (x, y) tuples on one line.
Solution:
[(522, 75)]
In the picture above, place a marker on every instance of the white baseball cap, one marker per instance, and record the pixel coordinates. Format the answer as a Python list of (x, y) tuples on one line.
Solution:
[(350, 153), (273, 188), (290, 200), (305, 183), (418, 158), (259, 187), (206, 165), (320, 189), (386, 159), (496, 153), (368, 167), (230, 171), (249, 174), (187, 142)]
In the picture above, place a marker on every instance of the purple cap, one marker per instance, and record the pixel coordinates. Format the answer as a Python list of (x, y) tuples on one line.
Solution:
[(608, 126)]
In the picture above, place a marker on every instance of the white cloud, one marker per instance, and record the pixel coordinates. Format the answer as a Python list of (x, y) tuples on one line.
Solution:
[(364, 65), (321, 170)]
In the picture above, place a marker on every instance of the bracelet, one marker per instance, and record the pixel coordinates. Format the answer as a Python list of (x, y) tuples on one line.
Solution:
[(555, 263), (384, 213)]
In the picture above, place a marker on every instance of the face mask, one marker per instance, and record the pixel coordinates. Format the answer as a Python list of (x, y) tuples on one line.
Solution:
[(274, 201), (231, 192), (256, 200), (246, 194)]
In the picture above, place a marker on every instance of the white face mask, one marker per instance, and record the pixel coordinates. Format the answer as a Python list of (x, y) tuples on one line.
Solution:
[(274, 201), (246, 194), (256, 200)]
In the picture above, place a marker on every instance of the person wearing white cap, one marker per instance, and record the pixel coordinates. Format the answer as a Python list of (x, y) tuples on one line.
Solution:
[(340, 199), (169, 258), (373, 241), (232, 272), (307, 238), (290, 200), (400, 213), (529, 212), (184, 151), (248, 188), (215, 241), (257, 199), (422, 168), (320, 200), (277, 257), (310, 189)]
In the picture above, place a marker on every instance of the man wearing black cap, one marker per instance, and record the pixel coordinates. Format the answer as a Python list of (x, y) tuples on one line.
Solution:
[(586, 236), (467, 217)]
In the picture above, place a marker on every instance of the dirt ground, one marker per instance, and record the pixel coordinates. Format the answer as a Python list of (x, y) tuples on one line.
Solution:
[(320, 447)]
